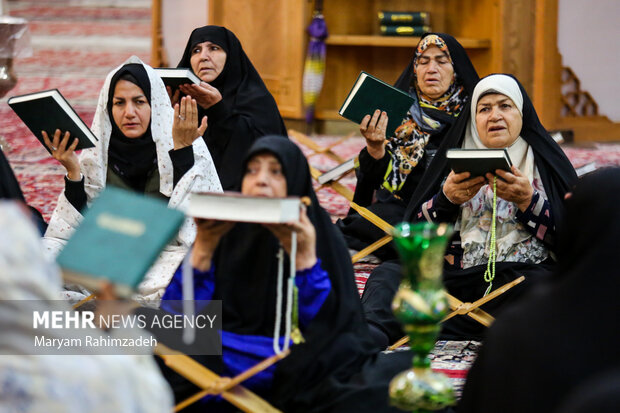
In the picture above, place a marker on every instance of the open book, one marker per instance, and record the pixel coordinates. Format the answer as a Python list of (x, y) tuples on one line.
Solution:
[(47, 111), (368, 94), (174, 77), (478, 162), (119, 239), (233, 206), (338, 171)]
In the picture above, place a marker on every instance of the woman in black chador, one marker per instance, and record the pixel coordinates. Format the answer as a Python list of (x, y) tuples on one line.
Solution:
[(529, 203), (560, 344), (336, 368), (440, 77), (232, 95)]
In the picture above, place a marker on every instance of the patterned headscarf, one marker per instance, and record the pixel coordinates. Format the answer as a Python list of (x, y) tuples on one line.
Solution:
[(406, 147)]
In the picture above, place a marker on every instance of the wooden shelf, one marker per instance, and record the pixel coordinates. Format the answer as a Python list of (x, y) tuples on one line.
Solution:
[(393, 41)]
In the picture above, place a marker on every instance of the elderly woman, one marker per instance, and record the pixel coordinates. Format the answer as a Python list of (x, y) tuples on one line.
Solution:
[(523, 363), (75, 382), (233, 97), (336, 367), (144, 146), (529, 203), (441, 78)]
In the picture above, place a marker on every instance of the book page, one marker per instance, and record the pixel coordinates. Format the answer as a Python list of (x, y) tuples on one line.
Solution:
[(358, 84)]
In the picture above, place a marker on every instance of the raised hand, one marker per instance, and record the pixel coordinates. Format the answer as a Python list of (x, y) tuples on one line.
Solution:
[(63, 154), (205, 94), (373, 129), (184, 130), (208, 235), (513, 187), (459, 189), (306, 239)]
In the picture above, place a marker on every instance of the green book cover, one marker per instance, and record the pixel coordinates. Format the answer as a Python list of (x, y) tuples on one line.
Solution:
[(404, 30), (368, 94), (119, 239), (410, 18)]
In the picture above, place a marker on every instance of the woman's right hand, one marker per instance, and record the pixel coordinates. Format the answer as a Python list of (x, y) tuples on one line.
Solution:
[(459, 189), (63, 154), (208, 235), (373, 129), (205, 94), (184, 130)]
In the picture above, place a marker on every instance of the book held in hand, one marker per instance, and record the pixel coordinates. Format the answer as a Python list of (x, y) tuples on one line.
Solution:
[(368, 94), (233, 206), (174, 77), (338, 171), (47, 111), (119, 239), (478, 162)]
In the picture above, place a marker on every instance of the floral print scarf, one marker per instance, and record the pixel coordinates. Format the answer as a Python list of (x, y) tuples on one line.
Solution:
[(406, 147)]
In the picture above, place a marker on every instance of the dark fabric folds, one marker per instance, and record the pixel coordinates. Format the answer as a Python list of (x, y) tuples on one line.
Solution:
[(246, 112), (563, 337), (337, 341), (10, 189)]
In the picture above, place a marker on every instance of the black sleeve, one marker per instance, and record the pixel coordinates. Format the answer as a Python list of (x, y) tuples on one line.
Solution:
[(370, 176), (438, 209), (182, 161), (228, 155), (75, 193)]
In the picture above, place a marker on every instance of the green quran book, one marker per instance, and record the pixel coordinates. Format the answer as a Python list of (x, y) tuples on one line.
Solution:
[(119, 239), (404, 30), (368, 94), (404, 18)]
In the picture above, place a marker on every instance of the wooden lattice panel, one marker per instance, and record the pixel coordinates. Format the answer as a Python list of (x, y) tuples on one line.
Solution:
[(576, 102)]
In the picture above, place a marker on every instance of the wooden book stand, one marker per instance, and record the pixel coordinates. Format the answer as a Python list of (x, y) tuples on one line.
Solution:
[(470, 309), (229, 388)]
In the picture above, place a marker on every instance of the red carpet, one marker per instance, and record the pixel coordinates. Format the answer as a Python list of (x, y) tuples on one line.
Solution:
[(75, 46)]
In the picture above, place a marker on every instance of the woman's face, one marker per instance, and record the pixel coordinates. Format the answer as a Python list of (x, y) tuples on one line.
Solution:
[(498, 121), (207, 60), (264, 177), (130, 109), (434, 72)]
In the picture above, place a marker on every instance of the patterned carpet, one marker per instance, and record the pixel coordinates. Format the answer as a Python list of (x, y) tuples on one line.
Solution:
[(77, 42)]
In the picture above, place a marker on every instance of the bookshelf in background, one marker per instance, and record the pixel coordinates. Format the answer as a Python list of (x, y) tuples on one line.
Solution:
[(404, 23), (492, 32)]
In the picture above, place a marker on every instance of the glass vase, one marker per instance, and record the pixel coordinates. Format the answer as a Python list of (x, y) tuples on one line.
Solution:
[(420, 304)]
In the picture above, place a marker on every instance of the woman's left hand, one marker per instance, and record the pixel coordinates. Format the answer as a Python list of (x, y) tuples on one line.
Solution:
[(513, 187), (184, 131), (205, 94), (306, 239)]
